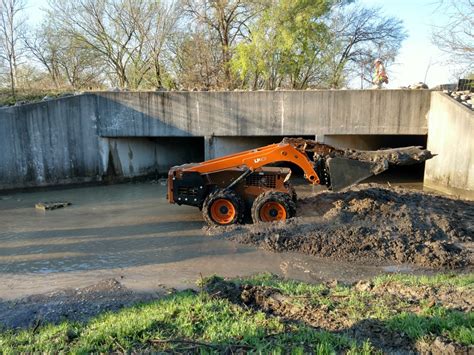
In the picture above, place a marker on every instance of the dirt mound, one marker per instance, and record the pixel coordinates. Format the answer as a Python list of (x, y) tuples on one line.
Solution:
[(373, 223)]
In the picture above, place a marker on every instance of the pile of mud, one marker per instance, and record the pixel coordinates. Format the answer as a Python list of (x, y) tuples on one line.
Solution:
[(372, 223)]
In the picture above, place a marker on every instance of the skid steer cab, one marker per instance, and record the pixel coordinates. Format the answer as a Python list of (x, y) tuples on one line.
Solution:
[(245, 186)]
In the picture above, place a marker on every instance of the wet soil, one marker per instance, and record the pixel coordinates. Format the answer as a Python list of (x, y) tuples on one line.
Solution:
[(336, 318), (79, 304), (372, 223)]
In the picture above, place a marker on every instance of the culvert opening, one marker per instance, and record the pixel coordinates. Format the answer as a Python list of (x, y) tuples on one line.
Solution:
[(142, 157)]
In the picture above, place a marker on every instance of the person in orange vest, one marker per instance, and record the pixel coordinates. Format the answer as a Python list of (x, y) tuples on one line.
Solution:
[(381, 76)]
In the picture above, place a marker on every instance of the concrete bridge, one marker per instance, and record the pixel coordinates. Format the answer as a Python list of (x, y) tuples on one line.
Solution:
[(97, 135)]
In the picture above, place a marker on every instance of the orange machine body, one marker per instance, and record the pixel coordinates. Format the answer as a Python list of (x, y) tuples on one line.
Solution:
[(190, 183)]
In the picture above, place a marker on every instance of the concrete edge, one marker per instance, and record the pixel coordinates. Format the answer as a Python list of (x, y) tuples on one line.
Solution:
[(452, 191), (450, 99), (40, 102)]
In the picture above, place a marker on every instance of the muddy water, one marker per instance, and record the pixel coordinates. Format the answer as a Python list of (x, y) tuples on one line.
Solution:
[(131, 233)]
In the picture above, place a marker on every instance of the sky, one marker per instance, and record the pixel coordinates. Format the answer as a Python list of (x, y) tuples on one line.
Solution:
[(419, 59)]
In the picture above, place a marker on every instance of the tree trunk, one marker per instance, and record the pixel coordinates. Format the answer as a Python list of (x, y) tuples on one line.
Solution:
[(159, 83), (12, 78)]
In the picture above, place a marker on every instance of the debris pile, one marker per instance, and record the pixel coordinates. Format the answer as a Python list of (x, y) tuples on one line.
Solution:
[(47, 206), (371, 223), (464, 97), (418, 86)]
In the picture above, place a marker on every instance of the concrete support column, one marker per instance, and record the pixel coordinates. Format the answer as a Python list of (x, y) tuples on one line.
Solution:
[(209, 147), (128, 157)]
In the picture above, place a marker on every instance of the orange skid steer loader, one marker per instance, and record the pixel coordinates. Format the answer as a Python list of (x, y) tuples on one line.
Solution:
[(229, 188)]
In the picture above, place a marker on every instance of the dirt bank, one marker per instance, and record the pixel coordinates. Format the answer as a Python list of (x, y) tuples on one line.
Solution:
[(345, 310), (372, 223)]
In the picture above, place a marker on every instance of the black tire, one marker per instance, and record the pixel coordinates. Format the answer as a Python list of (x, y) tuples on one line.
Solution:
[(294, 196), (227, 195), (280, 198)]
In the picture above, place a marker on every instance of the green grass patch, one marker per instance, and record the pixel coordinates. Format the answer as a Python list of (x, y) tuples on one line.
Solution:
[(183, 318), (188, 321), (27, 96), (438, 280), (452, 324), (361, 305)]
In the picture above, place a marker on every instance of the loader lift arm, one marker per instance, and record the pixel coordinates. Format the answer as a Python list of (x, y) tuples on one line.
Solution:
[(257, 158)]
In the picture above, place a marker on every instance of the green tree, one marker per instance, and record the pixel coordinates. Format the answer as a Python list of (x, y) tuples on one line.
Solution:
[(286, 45)]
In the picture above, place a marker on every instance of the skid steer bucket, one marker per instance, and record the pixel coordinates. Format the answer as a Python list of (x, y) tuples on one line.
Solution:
[(346, 172)]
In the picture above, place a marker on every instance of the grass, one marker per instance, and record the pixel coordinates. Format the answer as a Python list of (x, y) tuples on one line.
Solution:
[(196, 322), (394, 312), (438, 280), (453, 325), (183, 321), (24, 95)]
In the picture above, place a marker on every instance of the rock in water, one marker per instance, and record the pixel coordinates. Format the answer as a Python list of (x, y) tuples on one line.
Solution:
[(51, 205)]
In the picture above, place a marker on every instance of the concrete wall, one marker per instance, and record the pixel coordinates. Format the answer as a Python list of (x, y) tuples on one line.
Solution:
[(49, 143), (373, 142), (83, 138), (263, 113), (129, 157), (451, 136)]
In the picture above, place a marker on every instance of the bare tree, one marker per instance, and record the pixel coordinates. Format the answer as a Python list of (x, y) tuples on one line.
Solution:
[(456, 37), (226, 21), (123, 33), (11, 27), (196, 64), (80, 66), (98, 26), (155, 26), (45, 45), (359, 36)]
